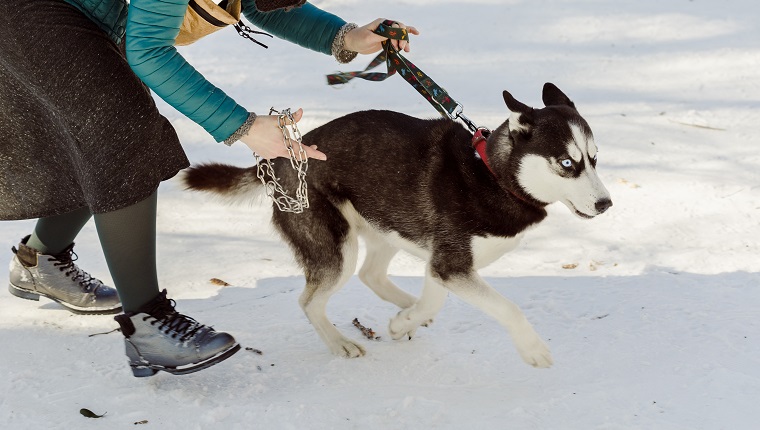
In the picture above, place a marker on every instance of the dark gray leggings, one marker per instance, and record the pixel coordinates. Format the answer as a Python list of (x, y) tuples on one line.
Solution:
[(128, 239)]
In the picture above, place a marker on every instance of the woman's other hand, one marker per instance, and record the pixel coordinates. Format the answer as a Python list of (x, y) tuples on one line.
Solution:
[(265, 138)]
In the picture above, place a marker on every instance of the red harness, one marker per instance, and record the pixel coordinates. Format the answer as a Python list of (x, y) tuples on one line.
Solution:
[(479, 143)]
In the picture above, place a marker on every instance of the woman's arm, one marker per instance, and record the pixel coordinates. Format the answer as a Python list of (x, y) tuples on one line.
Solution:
[(307, 26), (152, 26)]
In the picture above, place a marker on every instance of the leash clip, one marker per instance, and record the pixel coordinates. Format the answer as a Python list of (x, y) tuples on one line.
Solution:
[(459, 114)]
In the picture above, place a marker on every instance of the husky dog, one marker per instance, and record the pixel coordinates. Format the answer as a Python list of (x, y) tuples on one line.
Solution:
[(406, 183)]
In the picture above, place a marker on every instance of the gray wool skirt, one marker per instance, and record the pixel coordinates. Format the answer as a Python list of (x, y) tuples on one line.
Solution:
[(77, 127)]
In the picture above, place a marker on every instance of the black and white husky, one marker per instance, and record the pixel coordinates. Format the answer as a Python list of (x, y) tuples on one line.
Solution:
[(406, 183)]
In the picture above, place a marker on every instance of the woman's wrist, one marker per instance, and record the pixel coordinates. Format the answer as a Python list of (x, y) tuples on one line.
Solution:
[(242, 130), (339, 50)]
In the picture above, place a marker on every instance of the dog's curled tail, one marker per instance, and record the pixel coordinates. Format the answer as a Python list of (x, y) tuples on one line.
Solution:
[(232, 182)]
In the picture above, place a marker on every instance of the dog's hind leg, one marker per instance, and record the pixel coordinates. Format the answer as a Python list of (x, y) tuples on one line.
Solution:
[(326, 247), (374, 272), (320, 286)]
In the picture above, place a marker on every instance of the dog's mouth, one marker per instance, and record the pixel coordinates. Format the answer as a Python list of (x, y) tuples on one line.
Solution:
[(578, 213), (582, 215)]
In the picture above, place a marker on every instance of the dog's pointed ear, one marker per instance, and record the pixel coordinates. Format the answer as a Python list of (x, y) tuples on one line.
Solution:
[(521, 119), (553, 96), (516, 106)]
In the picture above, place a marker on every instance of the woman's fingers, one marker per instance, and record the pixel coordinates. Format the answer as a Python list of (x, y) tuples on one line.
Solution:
[(311, 152), (297, 115), (403, 45), (280, 150)]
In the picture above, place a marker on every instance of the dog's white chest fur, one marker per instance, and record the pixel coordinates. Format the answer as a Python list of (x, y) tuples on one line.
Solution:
[(486, 250)]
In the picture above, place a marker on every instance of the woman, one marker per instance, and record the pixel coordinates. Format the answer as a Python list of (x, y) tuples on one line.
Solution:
[(82, 138)]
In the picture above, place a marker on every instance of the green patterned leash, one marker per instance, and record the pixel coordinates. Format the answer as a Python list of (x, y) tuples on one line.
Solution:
[(432, 92)]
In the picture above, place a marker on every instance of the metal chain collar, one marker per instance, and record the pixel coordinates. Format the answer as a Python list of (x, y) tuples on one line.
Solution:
[(298, 161)]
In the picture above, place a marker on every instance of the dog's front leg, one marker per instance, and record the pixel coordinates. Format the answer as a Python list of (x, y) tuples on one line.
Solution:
[(476, 291), (406, 322)]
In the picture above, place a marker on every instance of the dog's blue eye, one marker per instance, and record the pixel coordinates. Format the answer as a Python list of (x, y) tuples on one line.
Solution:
[(567, 163)]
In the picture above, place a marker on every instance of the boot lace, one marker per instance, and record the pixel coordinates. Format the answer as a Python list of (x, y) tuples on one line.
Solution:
[(65, 263), (171, 321)]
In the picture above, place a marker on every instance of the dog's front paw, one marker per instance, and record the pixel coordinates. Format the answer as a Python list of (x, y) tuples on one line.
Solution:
[(346, 348), (403, 324), (533, 350)]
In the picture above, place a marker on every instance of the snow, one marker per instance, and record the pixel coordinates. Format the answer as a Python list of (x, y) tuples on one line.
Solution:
[(655, 327)]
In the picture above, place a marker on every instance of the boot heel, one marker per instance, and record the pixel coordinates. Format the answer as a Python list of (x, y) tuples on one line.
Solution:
[(24, 294), (136, 362), (142, 372)]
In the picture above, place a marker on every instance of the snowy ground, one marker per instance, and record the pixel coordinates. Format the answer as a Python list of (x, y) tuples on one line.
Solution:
[(655, 328)]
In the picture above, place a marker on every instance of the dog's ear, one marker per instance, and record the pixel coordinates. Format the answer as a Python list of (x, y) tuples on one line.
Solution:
[(521, 119), (553, 96), (516, 106)]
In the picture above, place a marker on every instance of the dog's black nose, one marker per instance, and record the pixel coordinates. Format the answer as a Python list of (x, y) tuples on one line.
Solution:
[(603, 205)]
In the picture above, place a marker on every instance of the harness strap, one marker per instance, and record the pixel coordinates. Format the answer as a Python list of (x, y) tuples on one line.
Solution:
[(479, 144)]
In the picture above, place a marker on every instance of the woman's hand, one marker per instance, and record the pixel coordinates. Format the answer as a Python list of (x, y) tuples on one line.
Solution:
[(265, 138), (364, 41)]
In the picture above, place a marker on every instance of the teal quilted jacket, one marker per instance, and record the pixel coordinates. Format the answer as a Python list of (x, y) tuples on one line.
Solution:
[(150, 28)]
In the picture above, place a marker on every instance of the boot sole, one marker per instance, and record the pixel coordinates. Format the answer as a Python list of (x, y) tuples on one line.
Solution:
[(141, 370), (34, 295)]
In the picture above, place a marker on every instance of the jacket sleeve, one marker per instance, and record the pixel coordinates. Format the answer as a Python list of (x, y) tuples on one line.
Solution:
[(307, 26), (152, 26)]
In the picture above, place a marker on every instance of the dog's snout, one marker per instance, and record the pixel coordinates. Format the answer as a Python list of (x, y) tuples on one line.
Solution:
[(602, 205)]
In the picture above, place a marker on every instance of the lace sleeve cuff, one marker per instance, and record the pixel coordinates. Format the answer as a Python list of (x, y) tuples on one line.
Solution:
[(339, 52), (242, 130)]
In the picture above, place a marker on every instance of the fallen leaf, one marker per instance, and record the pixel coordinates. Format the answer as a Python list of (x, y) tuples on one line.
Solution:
[(630, 184), (217, 281), (90, 414)]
